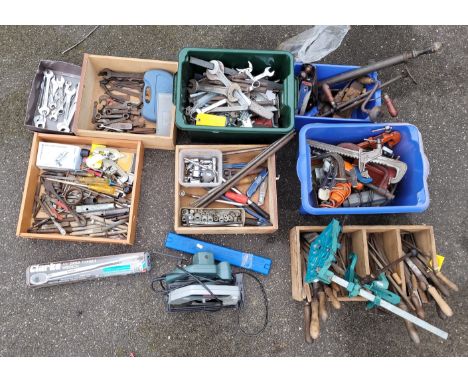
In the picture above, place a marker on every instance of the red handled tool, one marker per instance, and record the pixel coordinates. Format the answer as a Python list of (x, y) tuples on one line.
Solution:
[(241, 198)]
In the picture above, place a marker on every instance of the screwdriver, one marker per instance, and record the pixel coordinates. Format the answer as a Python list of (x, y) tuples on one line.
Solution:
[(241, 198), (258, 219)]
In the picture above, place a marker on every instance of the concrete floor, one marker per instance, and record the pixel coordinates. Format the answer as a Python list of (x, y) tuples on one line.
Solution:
[(117, 316)]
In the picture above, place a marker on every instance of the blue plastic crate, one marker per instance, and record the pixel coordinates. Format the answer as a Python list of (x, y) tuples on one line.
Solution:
[(326, 71), (411, 194)]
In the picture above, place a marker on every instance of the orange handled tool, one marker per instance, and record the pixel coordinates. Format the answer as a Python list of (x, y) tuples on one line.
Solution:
[(390, 139)]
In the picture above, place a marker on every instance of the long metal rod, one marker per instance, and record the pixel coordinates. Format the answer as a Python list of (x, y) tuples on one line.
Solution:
[(359, 72), (216, 192), (394, 309)]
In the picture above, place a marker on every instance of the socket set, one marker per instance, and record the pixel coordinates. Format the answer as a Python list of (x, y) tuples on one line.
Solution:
[(199, 217)]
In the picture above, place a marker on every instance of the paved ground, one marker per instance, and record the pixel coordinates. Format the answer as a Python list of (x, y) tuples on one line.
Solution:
[(122, 315)]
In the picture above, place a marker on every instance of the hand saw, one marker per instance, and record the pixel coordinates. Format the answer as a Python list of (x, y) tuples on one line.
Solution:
[(399, 166)]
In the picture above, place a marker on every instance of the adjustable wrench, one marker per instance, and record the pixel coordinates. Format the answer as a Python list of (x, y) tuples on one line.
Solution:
[(44, 110)]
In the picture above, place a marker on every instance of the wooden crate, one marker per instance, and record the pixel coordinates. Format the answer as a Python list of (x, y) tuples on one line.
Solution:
[(90, 90), (270, 205), (32, 179), (424, 236)]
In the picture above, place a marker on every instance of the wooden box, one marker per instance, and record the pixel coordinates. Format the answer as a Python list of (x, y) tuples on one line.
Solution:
[(90, 90), (391, 235), (269, 206), (32, 179)]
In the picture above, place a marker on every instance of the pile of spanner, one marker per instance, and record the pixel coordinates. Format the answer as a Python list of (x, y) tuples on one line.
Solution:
[(119, 109), (57, 102), (233, 97)]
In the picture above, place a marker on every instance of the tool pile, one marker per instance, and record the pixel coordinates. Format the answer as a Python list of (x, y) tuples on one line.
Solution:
[(400, 284), (357, 174), (233, 97), (119, 109), (316, 294), (338, 96), (322, 264), (201, 172), (89, 198), (57, 101), (424, 283), (132, 99)]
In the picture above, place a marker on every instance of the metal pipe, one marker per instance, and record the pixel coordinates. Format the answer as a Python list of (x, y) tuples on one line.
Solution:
[(216, 192), (359, 72)]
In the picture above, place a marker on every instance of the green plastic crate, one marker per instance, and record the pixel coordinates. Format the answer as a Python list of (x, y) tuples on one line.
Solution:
[(281, 62)]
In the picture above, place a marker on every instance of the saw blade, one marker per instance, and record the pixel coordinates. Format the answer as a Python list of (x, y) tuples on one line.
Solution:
[(399, 166)]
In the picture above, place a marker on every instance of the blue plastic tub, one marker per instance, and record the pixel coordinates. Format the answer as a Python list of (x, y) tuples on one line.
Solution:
[(411, 194), (325, 71)]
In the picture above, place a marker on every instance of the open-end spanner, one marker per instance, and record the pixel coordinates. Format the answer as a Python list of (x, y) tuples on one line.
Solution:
[(70, 91), (107, 74), (57, 84), (44, 109), (271, 85), (202, 101), (40, 121), (65, 125), (247, 71), (256, 79)]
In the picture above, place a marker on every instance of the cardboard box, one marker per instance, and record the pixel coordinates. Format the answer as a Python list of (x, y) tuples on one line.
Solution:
[(90, 90), (270, 205), (424, 236), (32, 179), (71, 71)]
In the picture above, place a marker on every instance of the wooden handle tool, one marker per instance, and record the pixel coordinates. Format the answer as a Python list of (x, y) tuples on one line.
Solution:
[(410, 326), (307, 312), (441, 314), (323, 314), (413, 294), (447, 282), (431, 276), (334, 301), (444, 307), (314, 319), (423, 295)]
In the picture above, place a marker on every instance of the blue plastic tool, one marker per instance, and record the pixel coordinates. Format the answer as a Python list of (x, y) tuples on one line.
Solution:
[(237, 258), (322, 254), (156, 82), (257, 182)]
